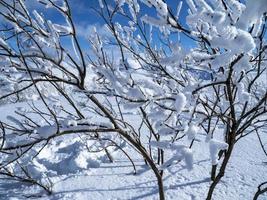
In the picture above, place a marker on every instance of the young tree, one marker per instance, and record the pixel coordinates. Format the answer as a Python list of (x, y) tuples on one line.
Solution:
[(145, 70)]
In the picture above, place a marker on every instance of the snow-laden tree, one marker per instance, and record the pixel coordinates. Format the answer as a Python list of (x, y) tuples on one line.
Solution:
[(156, 82)]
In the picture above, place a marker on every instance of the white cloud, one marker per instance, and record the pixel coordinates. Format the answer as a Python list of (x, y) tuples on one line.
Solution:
[(86, 30)]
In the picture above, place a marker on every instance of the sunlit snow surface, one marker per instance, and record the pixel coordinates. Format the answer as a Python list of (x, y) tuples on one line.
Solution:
[(82, 177)]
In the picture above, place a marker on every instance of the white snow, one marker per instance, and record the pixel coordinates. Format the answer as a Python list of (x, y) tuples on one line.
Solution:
[(180, 102), (153, 91), (243, 95), (38, 17), (191, 131), (179, 7), (160, 6), (253, 12), (215, 146), (188, 157), (191, 6), (3, 43), (81, 176), (72, 123), (46, 131), (101, 3), (62, 29)]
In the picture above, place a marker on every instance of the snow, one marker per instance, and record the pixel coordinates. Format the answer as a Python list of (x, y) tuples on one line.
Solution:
[(180, 102), (191, 131), (116, 180), (236, 40), (101, 3), (72, 123), (78, 175), (243, 95), (253, 12), (188, 157), (161, 144), (160, 6), (3, 43), (215, 147), (179, 7), (38, 17), (46, 131), (62, 29), (76, 154), (16, 122), (191, 5)]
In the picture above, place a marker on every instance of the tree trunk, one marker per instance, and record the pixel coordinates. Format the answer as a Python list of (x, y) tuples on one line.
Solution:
[(213, 172), (221, 172), (260, 191), (160, 186)]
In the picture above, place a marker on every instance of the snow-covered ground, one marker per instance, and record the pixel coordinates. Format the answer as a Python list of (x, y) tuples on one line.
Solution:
[(104, 180)]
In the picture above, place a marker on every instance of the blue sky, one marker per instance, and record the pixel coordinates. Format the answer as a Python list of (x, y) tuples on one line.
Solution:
[(85, 18), (83, 14)]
